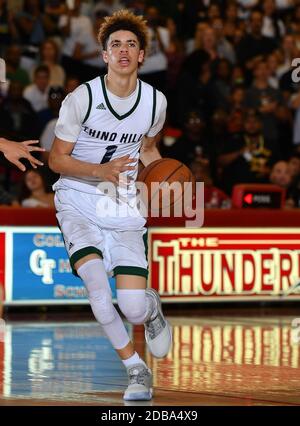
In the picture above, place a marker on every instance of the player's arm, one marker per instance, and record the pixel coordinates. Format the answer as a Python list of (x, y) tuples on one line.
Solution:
[(149, 151), (60, 161)]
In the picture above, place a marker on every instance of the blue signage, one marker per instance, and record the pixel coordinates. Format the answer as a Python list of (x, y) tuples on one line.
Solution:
[(41, 269)]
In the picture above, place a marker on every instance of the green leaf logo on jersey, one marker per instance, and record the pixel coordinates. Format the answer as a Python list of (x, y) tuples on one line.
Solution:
[(101, 106)]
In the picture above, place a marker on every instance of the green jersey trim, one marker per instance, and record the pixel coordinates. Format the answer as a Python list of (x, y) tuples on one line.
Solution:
[(90, 102), (120, 117), (154, 107)]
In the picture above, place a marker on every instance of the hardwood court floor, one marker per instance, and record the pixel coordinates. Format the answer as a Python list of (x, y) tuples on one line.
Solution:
[(215, 360)]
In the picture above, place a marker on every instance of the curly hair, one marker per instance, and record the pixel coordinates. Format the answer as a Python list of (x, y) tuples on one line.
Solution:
[(126, 21)]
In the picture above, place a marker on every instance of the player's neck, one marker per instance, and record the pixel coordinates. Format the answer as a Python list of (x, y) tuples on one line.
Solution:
[(121, 86)]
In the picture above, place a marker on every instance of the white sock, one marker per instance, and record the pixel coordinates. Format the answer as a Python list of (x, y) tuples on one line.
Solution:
[(134, 359)]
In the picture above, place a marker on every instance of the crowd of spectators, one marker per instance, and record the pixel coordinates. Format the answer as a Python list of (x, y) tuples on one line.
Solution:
[(226, 67)]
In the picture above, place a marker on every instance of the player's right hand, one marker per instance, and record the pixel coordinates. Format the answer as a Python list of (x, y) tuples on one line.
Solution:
[(109, 172), (13, 151)]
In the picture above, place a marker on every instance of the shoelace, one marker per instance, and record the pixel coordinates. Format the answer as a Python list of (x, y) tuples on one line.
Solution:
[(155, 326), (140, 378)]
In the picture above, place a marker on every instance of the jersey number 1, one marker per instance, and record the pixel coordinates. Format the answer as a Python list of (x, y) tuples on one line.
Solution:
[(110, 150)]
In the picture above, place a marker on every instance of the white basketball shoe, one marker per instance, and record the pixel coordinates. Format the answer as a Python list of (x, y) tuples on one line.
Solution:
[(158, 332), (139, 383)]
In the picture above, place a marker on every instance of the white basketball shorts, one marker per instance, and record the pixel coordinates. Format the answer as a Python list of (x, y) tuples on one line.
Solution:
[(124, 251)]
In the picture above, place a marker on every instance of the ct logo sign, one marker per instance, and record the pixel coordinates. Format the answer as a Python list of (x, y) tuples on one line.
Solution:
[(41, 266)]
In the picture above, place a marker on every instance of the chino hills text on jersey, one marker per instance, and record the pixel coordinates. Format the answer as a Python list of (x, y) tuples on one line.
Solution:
[(113, 136)]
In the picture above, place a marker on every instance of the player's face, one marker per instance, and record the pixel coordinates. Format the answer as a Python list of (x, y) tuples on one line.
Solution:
[(123, 52)]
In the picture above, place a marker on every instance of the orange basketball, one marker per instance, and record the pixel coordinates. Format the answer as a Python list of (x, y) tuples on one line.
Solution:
[(157, 175)]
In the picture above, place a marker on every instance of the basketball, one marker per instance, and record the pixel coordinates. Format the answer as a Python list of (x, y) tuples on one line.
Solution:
[(157, 176)]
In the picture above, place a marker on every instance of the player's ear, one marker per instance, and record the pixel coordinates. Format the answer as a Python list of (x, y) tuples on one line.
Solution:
[(141, 56), (104, 55)]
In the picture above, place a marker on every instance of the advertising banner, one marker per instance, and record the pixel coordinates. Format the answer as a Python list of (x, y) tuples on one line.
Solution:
[(40, 269), (216, 264)]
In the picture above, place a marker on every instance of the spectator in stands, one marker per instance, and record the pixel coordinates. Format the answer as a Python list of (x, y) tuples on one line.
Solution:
[(88, 51), (72, 82), (49, 118), (195, 43), (7, 199), (224, 47), (37, 93), (175, 56), (273, 26), (280, 174), (108, 6), (196, 89), (213, 12), (34, 191), (223, 84), (154, 68), (14, 71), (295, 105), (55, 97), (267, 100), (191, 143), (232, 21), (209, 43), (273, 61), (295, 25), (236, 110), (18, 119), (49, 56), (246, 157), (214, 197), (238, 76), (254, 44), (294, 165), (54, 9), (288, 51), (246, 7), (293, 192), (33, 26), (7, 27), (73, 27)]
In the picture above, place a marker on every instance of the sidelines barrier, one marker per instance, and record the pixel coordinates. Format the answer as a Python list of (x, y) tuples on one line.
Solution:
[(237, 255)]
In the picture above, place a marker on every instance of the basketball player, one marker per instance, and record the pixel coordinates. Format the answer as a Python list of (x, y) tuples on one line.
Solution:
[(13, 151), (104, 127)]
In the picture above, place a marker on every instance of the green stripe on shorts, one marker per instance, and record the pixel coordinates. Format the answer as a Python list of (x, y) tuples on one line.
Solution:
[(79, 254)]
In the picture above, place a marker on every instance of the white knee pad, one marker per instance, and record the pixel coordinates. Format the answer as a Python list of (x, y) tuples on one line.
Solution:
[(134, 305), (102, 306), (99, 293)]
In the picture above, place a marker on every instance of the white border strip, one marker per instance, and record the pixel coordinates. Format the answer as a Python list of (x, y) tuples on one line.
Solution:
[(8, 265), (7, 374), (208, 230)]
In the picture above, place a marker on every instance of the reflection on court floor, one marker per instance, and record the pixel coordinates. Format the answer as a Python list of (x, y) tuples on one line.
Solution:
[(237, 361), (251, 358)]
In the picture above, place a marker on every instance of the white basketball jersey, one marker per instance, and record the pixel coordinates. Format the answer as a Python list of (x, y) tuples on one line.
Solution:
[(105, 135)]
